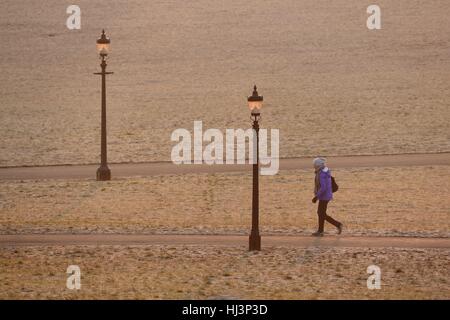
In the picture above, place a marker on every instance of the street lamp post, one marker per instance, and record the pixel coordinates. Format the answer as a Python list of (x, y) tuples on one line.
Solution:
[(255, 104), (103, 46)]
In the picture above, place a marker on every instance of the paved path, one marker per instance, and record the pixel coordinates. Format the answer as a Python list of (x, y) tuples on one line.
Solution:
[(162, 168), (221, 240)]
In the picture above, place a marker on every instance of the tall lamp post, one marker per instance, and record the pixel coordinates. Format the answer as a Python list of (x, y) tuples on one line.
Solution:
[(103, 46), (255, 102)]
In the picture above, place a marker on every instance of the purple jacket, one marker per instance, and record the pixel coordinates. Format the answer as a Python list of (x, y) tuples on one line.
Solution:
[(325, 192)]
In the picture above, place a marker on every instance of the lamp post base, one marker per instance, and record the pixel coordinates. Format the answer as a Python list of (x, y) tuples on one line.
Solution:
[(103, 173), (254, 242)]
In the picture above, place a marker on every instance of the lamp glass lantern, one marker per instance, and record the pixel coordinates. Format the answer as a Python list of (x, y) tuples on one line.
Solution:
[(103, 45), (255, 102)]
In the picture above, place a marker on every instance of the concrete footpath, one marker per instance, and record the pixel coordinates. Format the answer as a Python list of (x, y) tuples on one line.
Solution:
[(163, 168), (220, 240)]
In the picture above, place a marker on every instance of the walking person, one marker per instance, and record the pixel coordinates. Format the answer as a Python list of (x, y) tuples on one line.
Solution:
[(324, 193)]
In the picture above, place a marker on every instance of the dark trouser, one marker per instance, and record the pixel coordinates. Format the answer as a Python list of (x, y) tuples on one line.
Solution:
[(322, 212)]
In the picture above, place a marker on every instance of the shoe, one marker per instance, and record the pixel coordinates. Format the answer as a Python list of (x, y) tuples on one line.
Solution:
[(317, 234), (340, 228)]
